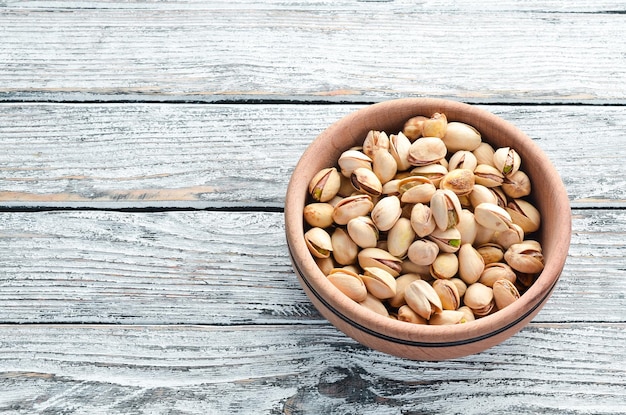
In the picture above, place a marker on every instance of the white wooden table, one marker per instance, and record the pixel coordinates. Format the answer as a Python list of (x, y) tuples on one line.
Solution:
[(145, 150)]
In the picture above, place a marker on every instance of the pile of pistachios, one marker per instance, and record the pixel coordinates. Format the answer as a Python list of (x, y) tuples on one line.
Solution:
[(431, 225)]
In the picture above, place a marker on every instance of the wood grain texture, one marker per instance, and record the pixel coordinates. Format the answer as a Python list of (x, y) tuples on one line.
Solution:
[(164, 154), (302, 370), (543, 51), (227, 268)]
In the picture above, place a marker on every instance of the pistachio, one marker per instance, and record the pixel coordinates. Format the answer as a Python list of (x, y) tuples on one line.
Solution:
[(491, 252), (492, 217), (399, 146), (374, 141), (460, 286), (416, 189), (471, 264), (448, 240), (384, 165), (413, 127), (462, 159), (406, 313), (460, 181), (363, 231), (524, 214), (488, 176), (445, 266), (426, 150), (484, 153), (365, 180), (468, 314), (422, 298), (516, 185), (319, 243), (448, 294), (433, 172), (352, 207), (344, 248), (325, 264), (401, 283), (525, 257), (386, 212), (496, 271), (447, 317), (376, 257), (353, 159), (319, 214), (374, 304), (445, 208), (379, 282), (391, 188), (461, 136), (481, 194), (423, 252), (513, 235), (325, 184), (408, 267), (467, 227), (349, 283), (422, 220), (504, 293), (435, 126), (400, 237), (479, 298), (506, 160)]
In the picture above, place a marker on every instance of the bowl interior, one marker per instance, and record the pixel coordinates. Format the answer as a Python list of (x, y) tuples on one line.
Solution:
[(548, 196)]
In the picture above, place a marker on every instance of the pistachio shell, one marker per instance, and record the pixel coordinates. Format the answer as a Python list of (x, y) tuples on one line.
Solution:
[(319, 214), (467, 227), (416, 189), (471, 264), (348, 283), (525, 257), (488, 175), (504, 293), (481, 194), (445, 266), (413, 127), (409, 267), (384, 165), (496, 271), (400, 237), (374, 141), (319, 242), (422, 220), (446, 317), (524, 214), (460, 181), (448, 240), (401, 283), (433, 172), (516, 185), (399, 146), (491, 252), (405, 313), (325, 184), (462, 159), (461, 136), (445, 208), (484, 153), (468, 314), (363, 231), (492, 217), (513, 235), (479, 298), (344, 248), (351, 207), (376, 257), (353, 159), (374, 304), (365, 180), (435, 126), (506, 160), (422, 298), (460, 286), (448, 294), (379, 282), (427, 150), (423, 252), (325, 264), (386, 212)]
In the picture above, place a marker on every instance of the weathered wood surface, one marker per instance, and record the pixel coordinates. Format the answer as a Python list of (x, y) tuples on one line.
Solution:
[(227, 268), (164, 154), (498, 50), (565, 368)]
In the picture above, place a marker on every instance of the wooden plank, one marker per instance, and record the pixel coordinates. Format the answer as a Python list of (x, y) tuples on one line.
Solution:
[(227, 268), (575, 368), (164, 155), (355, 50)]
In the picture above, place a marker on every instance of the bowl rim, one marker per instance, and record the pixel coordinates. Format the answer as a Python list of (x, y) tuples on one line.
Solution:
[(400, 332)]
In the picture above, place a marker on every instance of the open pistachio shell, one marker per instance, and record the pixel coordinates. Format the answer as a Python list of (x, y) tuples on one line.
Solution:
[(481, 194), (446, 317), (506, 160), (384, 165), (460, 181), (524, 214), (488, 175), (433, 172), (344, 248), (448, 294), (375, 305), (435, 126), (479, 298), (525, 257), (376, 257), (353, 159), (349, 283), (422, 298), (427, 150), (325, 184), (484, 153), (446, 208), (374, 141), (365, 180), (504, 293), (422, 220), (401, 283), (462, 159), (319, 242), (461, 136), (492, 217), (363, 231), (516, 185), (406, 313), (379, 282), (351, 207), (496, 271), (386, 212), (448, 240), (399, 146), (412, 128), (416, 189)]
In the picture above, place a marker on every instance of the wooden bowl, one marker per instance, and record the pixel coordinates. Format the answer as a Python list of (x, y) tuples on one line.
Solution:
[(413, 341)]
